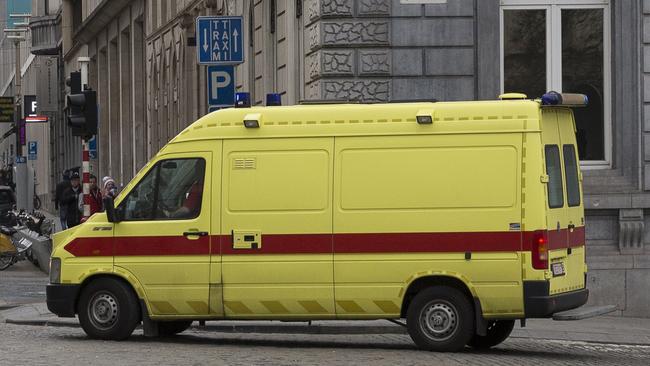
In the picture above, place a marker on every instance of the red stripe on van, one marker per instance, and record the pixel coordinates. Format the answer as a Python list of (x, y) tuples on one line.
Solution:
[(507, 241), (284, 244), (138, 245), (428, 242), (577, 238), (91, 247)]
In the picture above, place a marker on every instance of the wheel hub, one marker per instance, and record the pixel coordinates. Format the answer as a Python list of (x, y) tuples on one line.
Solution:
[(439, 320), (103, 310)]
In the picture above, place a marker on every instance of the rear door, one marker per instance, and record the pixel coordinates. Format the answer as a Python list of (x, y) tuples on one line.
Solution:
[(556, 214), (572, 258)]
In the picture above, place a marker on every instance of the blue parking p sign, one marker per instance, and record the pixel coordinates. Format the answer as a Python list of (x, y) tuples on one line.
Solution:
[(219, 40), (32, 149), (221, 85)]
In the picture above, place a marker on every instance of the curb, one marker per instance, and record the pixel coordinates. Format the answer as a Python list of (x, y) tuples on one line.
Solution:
[(259, 329), (565, 339), (316, 330)]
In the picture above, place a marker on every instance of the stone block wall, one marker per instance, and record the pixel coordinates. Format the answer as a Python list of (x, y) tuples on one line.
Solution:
[(380, 50), (618, 261)]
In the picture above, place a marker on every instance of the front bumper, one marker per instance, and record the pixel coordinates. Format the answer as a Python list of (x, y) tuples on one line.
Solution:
[(61, 299), (538, 303)]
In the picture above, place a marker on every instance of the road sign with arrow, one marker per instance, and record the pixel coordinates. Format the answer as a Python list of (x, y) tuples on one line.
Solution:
[(219, 40)]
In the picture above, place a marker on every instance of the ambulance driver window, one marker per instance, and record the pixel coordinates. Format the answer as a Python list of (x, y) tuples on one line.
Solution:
[(180, 189), (554, 171), (138, 205), (173, 189)]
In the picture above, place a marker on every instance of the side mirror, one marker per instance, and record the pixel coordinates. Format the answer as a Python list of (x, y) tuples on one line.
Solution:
[(109, 207)]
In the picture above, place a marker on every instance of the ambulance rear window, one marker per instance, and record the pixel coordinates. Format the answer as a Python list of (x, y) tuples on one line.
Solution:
[(554, 171), (571, 171)]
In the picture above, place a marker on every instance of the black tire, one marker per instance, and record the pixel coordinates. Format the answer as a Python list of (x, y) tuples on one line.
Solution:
[(440, 319), (6, 262), (108, 309), (497, 332), (168, 329)]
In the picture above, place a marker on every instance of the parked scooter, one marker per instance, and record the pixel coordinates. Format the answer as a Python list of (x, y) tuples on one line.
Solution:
[(18, 232), (11, 251)]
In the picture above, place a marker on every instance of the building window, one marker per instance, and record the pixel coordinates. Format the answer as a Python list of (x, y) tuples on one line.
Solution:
[(76, 14), (563, 45)]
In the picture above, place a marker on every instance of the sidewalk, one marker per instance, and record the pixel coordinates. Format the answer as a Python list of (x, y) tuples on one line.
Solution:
[(615, 330)]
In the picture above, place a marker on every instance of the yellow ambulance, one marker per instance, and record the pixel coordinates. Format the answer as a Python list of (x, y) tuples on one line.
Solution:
[(460, 217)]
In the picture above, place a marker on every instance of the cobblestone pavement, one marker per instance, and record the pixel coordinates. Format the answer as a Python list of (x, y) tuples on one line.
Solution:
[(56, 345), (22, 283)]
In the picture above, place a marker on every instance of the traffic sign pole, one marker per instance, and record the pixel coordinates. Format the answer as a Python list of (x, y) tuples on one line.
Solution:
[(18, 114)]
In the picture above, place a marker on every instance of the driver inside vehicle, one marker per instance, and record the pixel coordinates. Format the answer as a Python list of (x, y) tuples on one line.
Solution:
[(191, 203), (172, 189)]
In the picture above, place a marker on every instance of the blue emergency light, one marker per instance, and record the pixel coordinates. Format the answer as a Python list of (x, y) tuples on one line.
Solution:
[(242, 100), (273, 99), (565, 99)]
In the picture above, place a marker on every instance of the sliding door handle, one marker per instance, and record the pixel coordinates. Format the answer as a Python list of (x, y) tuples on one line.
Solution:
[(195, 233)]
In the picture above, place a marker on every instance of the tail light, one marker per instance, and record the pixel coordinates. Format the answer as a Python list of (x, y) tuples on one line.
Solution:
[(540, 250)]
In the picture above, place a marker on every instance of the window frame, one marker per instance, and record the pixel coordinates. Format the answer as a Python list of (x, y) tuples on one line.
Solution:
[(566, 174), (155, 169), (554, 57), (561, 176)]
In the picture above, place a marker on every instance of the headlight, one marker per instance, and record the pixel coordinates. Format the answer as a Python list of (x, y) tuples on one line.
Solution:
[(55, 270)]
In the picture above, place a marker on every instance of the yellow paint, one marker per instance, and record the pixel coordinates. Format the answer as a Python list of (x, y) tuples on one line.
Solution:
[(478, 167)]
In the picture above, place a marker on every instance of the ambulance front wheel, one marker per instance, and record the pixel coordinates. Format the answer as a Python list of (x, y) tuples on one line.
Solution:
[(440, 319), (108, 309)]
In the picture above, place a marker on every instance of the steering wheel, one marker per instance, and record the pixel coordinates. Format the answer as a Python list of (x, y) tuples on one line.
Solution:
[(162, 209)]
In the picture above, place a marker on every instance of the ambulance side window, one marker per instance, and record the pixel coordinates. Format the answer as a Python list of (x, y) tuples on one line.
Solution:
[(554, 171), (138, 205), (571, 171), (171, 190)]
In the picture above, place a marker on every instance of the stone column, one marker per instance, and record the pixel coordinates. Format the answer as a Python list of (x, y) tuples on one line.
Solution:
[(346, 46)]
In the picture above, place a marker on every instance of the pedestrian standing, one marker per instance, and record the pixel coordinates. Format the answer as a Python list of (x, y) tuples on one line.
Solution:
[(110, 188), (95, 195), (58, 197), (70, 201)]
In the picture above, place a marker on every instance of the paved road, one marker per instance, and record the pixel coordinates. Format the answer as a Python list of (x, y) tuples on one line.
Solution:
[(22, 283), (35, 345)]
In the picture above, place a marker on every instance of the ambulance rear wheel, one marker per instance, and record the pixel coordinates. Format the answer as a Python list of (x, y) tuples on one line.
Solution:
[(167, 329), (440, 319), (108, 309), (497, 332)]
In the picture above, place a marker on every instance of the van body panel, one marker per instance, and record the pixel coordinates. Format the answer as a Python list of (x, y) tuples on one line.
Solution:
[(278, 194), (424, 194)]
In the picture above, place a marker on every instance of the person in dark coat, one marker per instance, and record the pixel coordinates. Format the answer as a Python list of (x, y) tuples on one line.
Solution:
[(60, 188), (70, 201)]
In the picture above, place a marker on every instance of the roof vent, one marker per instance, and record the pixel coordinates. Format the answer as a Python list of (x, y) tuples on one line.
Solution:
[(513, 96)]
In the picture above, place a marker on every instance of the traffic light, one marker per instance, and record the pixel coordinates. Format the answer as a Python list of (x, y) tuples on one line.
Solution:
[(82, 113)]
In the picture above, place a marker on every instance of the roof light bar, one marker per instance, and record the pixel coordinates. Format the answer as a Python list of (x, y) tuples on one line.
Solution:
[(553, 98)]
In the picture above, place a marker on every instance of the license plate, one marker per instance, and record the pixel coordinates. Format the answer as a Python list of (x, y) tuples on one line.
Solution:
[(557, 269)]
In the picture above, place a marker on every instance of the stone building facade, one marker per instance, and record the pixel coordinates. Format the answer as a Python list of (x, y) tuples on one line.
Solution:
[(144, 67)]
